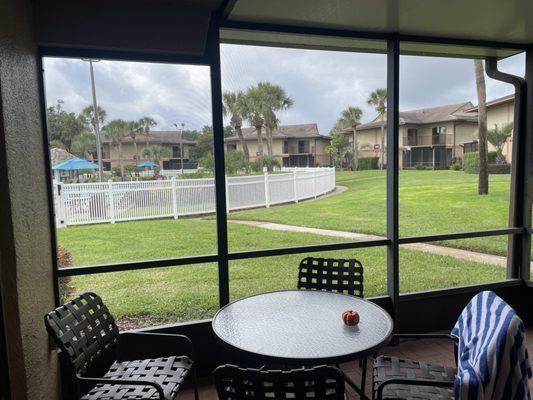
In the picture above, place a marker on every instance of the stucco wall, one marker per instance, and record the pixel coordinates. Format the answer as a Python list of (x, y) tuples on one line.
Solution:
[(25, 255), (128, 151)]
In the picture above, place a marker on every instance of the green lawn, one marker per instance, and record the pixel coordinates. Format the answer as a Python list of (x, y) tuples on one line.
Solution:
[(430, 202), (190, 292)]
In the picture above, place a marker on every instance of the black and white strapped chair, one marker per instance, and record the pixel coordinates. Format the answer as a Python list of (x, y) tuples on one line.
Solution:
[(235, 383), (332, 275), (89, 340)]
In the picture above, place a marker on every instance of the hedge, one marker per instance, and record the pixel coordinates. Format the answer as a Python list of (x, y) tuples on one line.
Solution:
[(471, 162), (366, 163)]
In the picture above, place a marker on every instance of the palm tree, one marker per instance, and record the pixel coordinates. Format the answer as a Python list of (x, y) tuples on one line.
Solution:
[(87, 114), (276, 100), (498, 137), (378, 99), (352, 117), (483, 179), (115, 131), (141, 126), (254, 106), (146, 123), (233, 105), (83, 143), (155, 152)]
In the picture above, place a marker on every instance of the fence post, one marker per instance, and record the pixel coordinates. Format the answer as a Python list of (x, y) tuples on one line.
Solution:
[(295, 184), (314, 183), (267, 191), (111, 200), (226, 181), (59, 205), (174, 198)]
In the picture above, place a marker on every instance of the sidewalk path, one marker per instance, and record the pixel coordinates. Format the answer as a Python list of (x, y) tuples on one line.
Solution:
[(425, 247)]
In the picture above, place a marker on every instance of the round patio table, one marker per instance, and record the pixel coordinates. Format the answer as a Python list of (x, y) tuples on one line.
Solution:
[(302, 327)]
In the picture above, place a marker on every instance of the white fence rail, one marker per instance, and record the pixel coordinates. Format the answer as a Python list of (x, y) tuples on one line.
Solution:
[(109, 202)]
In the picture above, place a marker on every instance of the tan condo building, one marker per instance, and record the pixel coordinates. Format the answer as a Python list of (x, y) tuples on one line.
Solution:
[(132, 150), (293, 145), (433, 137)]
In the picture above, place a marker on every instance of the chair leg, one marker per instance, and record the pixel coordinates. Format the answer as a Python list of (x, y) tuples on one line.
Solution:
[(195, 383), (363, 373)]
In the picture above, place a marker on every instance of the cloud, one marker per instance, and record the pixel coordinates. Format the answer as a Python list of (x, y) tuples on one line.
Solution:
[(321, 83)]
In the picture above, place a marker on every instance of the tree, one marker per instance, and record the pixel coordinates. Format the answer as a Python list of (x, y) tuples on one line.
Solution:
[(233, 104), (204, 145), (83, 143), (339, 148), (147, 124), (155, 153), (141, 126), (378, 99), (483, 179), (63, 126), (255, 103), (351, 117), (235, 162), (115, 131), (275, 100), (498, 137), (87, 115)]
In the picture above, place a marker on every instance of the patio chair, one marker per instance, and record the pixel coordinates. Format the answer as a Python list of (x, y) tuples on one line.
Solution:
[(332, 275), (105, 364), (235, 383), (483, 369)]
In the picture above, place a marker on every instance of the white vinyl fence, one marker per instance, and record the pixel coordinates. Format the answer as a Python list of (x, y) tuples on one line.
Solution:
[(109, 202)]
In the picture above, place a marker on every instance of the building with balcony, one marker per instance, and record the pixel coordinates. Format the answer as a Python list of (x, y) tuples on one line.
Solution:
[(433, 137), (132, 150), (298, 145)]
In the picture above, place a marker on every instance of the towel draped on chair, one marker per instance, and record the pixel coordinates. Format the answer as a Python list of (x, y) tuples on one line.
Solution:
[(493, 359)]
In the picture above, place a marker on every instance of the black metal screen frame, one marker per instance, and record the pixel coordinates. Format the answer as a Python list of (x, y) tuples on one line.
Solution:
[(392, 242)]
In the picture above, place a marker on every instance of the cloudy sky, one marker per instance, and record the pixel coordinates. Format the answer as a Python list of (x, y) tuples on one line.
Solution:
[(321, 84)]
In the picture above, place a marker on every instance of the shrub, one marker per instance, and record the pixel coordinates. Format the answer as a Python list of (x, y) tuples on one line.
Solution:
[(269, 162), (420, 167), (492, 157), (235, 162), (64, 260), (207, 162), (499, 168), (195, 175), (367, 163), (471, 163), (456, 166)]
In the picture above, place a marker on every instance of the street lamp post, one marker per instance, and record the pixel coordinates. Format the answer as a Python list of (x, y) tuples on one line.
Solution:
[(95, 121), (180, 136)]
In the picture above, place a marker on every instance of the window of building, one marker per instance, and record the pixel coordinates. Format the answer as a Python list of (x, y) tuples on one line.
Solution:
[(176, 151), (470, 146), (303, 146), (285, 147), (231, 146), (412, 137)]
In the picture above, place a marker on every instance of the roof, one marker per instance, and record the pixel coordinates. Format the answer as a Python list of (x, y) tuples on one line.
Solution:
[(500, 100), (156, 137), (298, 131), (445, 113)]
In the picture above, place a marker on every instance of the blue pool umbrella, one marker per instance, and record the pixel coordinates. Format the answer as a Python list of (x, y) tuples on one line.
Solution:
[(74, 164), (148, 164)]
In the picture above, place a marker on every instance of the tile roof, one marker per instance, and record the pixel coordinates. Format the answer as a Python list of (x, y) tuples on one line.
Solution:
[(445, 113), (499, 100), (283, 132)]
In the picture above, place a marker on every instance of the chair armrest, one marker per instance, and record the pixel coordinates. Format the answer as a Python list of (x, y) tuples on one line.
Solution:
[(133, 382), (412, 382), (142, 345)]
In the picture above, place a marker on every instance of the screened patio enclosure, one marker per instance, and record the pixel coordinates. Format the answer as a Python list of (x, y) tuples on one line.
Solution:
[(192, 33)]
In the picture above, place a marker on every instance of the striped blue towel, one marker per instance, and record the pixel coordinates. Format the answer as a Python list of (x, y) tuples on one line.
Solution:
[(493, 360)]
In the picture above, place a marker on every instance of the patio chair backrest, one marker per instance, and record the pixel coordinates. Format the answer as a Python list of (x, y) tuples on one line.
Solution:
[(332, 275), (83, 329), (493, 361), (234, 383)]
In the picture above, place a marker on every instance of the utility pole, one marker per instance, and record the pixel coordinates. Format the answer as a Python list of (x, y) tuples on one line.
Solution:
[(96, 123)]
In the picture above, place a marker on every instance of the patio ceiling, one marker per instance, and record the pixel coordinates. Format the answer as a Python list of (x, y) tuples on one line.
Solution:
[(479, 21)]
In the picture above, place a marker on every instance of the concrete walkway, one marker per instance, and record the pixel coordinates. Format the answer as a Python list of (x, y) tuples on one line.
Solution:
[(425, 247)]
